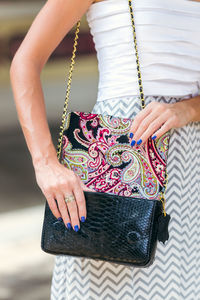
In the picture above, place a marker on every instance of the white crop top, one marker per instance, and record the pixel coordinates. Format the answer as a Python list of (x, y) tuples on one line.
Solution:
[(168, 38)]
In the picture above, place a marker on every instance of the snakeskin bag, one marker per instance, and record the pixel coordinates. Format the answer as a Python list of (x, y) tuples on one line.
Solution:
[(126, 212)]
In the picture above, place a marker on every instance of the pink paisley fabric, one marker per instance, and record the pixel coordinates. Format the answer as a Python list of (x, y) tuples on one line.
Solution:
[(96, 147)]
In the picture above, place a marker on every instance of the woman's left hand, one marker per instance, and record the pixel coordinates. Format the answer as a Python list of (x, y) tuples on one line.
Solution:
[(157, 118)]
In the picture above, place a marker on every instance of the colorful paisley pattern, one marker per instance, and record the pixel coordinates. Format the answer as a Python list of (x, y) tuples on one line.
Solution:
[(96, 147)]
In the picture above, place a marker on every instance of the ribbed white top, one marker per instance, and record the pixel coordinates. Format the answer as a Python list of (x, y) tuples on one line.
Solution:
[(168, 37)]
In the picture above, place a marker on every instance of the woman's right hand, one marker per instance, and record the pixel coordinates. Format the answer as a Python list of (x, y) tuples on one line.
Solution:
[(56, 182)]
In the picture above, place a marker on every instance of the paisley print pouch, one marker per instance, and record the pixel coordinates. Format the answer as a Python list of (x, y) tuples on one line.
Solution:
[(124, 215), (97, 148)]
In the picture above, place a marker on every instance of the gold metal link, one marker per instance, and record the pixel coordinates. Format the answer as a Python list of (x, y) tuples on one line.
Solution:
[(59, 147), (137, 56), (162, 198)]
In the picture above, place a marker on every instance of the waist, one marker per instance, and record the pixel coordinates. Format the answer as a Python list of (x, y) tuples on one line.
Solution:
[(119, 86)]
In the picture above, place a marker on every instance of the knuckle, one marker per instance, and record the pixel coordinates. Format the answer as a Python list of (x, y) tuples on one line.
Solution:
[(47, 193), (152, 126), (136, 119), (73, 179), (62, 205), (81, 200), (62, 180), (174, 118), (154, 104), (168, 111), (160, 107), (52, 187), (143, 125)]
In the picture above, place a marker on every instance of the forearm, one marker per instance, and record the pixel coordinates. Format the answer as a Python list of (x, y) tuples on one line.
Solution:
[(192, 106), (29, 100)]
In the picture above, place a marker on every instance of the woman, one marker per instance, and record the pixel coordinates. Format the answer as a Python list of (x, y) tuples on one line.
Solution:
[(169, 50)]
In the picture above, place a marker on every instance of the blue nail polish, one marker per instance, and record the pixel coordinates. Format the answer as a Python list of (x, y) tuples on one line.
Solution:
[(59, 219), (133, 143), (76, 228), (139, 142), (69, 226), (154, 137), (131, 135), (82, 219)]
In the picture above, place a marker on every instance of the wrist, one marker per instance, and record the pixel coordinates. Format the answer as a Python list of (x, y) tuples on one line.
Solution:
[(44, 158), (189, 107), (192, 108)]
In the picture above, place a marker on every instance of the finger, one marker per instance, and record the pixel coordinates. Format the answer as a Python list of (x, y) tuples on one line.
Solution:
[(164, 128), (63, 210), (53, 206), (144, 125), (73, 211), (85, 188), (138, 119), (153, 127), (80, 200)]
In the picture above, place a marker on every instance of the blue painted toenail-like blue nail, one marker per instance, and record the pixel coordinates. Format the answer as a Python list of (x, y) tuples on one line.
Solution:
[(131, 135), (82, 219), (133, 143), (69, 226), (76, 228), (139, 142), (59, 219), (154, 137)]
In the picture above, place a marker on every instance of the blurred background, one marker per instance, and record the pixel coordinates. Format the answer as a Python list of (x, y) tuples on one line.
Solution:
[(25, 270)]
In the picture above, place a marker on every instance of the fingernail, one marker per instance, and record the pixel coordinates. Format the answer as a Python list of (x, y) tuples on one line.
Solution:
[(154, 137), (82, 219), (131, 135), (76, 228), (69, 226), (59, 219), (139, 142), (133, 143)]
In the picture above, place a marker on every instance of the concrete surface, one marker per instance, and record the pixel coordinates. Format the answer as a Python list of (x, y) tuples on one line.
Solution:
[(25, 270)]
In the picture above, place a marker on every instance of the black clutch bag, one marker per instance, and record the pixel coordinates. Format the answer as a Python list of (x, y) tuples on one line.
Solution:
[(124, 224), (117, 229)]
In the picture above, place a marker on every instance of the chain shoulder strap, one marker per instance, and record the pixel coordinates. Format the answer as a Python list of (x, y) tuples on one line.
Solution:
[(137, 56), (59, 147)]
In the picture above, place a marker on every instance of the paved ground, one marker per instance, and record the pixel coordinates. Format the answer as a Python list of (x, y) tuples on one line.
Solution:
[(25, 270)]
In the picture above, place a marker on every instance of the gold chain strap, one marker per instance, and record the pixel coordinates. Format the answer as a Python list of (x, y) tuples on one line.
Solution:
[(137, 56), (162, 199), (59, 147)]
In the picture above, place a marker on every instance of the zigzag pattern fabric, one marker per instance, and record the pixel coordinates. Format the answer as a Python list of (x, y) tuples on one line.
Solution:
[(175, 273)]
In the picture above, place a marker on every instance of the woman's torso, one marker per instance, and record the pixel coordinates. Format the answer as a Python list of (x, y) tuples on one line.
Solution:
[(168, 38)]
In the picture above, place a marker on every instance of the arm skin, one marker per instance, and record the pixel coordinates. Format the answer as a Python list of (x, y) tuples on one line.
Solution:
[(157, 118), (49, 27)]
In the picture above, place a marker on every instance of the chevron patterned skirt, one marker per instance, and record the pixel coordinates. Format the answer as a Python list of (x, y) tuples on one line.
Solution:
[(175, 273)]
